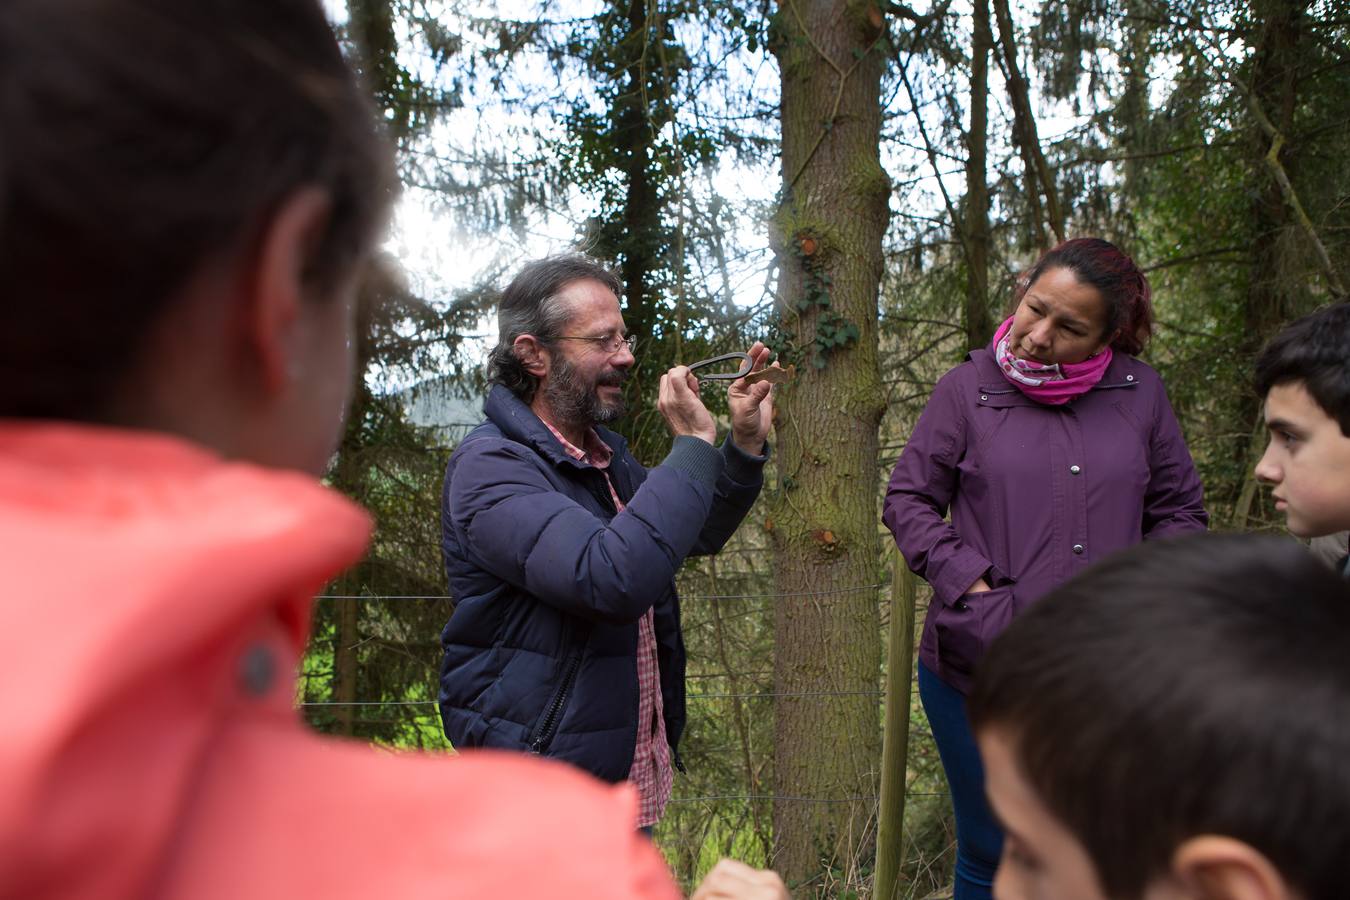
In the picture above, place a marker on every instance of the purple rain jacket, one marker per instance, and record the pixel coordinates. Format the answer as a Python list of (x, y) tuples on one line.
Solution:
[(1037, 494)]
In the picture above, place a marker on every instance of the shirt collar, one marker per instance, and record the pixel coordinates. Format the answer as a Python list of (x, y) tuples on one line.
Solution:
[(597, 453)]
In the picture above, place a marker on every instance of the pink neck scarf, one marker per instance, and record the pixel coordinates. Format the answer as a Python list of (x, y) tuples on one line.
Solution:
[(1054, 384)]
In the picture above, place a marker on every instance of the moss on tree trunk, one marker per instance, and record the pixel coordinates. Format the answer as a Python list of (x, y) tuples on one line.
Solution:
[(823, 514)]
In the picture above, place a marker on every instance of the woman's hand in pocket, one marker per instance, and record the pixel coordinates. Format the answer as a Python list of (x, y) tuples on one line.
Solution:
[(979, 587)]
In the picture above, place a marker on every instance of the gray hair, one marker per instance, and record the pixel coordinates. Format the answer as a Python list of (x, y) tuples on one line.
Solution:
[(531, 304)]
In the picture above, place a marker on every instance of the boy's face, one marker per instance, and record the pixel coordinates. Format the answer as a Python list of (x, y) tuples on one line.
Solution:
[(1307, 462), (1041, 859)]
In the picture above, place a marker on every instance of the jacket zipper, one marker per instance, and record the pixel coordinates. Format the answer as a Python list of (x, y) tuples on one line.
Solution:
[(543, 735), (601, 493)]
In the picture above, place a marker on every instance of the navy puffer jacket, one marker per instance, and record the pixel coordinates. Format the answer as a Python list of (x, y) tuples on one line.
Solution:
[(550, 583)]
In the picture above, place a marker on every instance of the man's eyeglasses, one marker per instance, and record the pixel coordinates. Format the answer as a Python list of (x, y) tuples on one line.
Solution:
[(609, 344)]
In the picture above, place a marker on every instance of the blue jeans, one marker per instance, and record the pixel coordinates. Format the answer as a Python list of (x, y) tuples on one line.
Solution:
[(979, 840)]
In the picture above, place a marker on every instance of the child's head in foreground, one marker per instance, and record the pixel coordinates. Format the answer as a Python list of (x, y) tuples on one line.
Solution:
[(1303, 374), (1174, 723), (188, 194)]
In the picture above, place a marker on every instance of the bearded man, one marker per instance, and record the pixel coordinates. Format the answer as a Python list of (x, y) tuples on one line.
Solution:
[(561, 549)]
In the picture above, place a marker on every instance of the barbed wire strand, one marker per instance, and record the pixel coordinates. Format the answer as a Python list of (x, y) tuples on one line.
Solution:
[(683, 599), (700, 696), (714, 798), (722, 798)]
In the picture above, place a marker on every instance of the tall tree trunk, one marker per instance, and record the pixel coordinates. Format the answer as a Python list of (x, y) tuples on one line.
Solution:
[(1039, 178), (635, 233), (642, 208), (345, 665), (370, 25), (979, 325), (823, 516), (1134, 109), (1270, 291), (347, 476)]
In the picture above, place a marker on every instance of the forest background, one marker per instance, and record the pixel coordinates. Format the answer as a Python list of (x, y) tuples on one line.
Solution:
[(858, 183)]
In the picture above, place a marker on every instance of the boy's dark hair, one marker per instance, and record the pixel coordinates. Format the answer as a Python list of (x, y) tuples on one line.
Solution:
[(142, 141), (531, 305), (1314, 351), (1186, 687)]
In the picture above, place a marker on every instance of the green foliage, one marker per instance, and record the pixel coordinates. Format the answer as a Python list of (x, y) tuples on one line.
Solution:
[(1163, 157), (828, 330), (410, 101), (1167, 161)]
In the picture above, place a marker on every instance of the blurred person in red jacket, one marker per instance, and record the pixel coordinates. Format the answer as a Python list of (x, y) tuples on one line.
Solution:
[(188, 195)]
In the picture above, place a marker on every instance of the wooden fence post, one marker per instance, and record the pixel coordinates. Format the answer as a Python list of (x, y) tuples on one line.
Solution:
[(895, 740)]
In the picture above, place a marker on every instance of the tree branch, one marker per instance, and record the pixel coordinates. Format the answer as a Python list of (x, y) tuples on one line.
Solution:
[(1272, 160), (921, 21), (1190, 257), (1025, 122), (1277, 170), (932, 161)]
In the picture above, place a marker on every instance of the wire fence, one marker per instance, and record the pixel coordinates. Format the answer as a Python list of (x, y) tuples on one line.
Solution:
[(867, 588), (757, 694), (723, 805)]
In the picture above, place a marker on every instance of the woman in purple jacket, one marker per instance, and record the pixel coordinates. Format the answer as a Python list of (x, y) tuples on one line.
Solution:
[(1052, 448)]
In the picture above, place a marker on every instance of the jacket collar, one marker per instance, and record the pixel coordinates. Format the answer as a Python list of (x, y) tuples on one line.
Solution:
[(519, 423), (1123, 372)]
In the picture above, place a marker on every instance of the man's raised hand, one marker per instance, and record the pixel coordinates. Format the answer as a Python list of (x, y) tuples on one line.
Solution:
[(679, 403), (751, 406)]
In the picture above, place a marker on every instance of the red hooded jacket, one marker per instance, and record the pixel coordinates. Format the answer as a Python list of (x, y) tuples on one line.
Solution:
[(156, 605)]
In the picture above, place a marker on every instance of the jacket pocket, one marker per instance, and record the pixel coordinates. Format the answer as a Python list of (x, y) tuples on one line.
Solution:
[(965, 628), (541, 736)]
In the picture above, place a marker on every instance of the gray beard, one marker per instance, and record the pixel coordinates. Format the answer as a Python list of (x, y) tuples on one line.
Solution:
[(573, 402)]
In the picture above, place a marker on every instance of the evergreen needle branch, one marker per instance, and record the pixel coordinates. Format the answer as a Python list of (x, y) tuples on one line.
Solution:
[(1191, 257), (1273, 163), (1277, 171)]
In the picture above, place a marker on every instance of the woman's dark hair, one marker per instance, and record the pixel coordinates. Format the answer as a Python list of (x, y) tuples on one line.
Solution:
[(144, 140), (1104, 266), (1180, 688), (531, 305), (1313, 351)]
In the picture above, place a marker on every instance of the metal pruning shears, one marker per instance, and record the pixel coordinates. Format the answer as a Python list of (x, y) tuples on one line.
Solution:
[(746, 365), (773, 374)]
